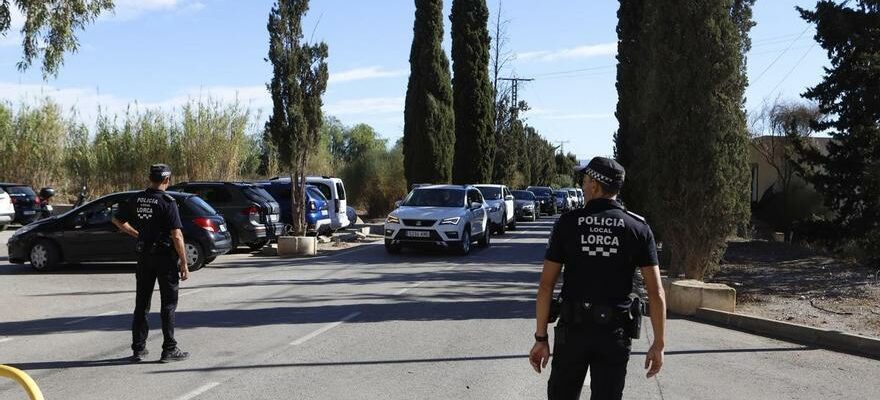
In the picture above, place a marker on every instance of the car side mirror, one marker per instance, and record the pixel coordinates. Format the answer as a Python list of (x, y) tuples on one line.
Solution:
[(508, 197), (397, 204), (476, 205)]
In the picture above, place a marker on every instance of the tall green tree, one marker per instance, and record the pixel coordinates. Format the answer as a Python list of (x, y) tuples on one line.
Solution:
[(299, 80), (697, 149), (473, 93), (428, 130), (49, 29), (848, 175)]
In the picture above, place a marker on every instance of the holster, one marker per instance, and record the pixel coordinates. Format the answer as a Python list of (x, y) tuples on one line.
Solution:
[(637, 309)]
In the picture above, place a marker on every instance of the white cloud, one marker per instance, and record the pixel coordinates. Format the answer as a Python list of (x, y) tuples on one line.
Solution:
[(13, 35), (130, 9), (592, 50), (358, 74), (373, 105)]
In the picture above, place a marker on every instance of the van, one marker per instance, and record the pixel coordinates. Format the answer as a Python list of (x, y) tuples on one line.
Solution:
[(334, 190)]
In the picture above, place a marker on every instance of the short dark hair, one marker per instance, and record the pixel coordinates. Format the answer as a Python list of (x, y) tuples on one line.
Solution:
[(611, 190)]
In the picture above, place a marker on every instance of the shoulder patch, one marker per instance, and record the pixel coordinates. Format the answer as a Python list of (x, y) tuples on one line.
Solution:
[(637, 216)]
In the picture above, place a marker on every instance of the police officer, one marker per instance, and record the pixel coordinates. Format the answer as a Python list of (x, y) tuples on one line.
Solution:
[(601, 245), (152, 217)]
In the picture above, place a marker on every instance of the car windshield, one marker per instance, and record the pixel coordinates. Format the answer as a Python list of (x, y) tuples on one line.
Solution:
[(573, 193), (199, 207), (21, 191), (490, 192), (435, 198), (561, 194), (541, 192), (523, 195)]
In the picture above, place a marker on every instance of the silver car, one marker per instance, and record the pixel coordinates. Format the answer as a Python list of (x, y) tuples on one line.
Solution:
[(449, 216)]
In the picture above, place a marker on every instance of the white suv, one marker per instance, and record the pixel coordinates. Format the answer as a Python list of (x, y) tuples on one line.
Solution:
[(451, 216), (502, 214), (7, 210)]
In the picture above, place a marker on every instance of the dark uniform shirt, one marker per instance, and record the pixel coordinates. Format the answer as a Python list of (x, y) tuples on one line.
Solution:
[(153, 213), (601, 245)]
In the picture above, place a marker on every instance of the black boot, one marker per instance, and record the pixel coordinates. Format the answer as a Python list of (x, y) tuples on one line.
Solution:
[(173, 355), (139, 355)]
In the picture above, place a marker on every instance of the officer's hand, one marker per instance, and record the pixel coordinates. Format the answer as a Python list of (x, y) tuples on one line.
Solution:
[(539, 356), (654, 360), (184, 271)]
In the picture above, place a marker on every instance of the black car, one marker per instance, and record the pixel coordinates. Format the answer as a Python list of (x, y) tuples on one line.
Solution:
[(525, 205), (546, 198), (25, 201), (87, 234), (251, 212)]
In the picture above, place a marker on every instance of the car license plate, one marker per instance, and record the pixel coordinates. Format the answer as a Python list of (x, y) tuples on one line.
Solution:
[(223, 228), (325, 212), (273, 218), (29, 212), (418, 234)]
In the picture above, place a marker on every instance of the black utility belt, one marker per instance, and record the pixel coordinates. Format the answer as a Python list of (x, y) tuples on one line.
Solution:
[(159, 247), (603, 316)]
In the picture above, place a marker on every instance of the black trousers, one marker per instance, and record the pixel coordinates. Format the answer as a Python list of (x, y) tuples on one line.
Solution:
[(578, 349), (150, 268)]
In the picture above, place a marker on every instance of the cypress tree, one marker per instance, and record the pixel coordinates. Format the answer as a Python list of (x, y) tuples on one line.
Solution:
[(428, 131), (848, 175), (698, 141), (472, 93)]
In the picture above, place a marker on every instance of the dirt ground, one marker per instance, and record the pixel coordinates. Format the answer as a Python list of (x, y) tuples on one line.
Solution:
[(789, 283)]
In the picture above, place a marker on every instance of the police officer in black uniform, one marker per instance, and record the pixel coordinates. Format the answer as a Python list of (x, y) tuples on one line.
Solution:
[(601, 246), (152, 217)]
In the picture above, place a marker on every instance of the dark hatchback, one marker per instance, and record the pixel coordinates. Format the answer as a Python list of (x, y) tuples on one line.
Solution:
[(87, 234), (24, 200), (546, 198), (251, 212)]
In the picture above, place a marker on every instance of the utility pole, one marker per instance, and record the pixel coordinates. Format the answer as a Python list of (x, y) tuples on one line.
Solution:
[(514, 88), (561, 144)]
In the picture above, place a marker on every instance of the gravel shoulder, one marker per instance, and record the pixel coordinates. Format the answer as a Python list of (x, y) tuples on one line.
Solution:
[(792, 284)]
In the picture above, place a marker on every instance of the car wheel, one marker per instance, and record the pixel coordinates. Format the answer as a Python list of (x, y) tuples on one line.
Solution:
[(502, 227), (44, 256), (486, 240), (259, 244), (464, 247), (195, 255), (392, 248)]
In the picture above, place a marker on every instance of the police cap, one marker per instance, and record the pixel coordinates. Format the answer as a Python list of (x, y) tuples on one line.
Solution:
[(606, 171), (158, 172)]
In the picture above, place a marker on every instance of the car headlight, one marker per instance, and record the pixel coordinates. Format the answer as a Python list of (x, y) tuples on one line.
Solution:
[(392, 220), (528, 206), (451, 221)]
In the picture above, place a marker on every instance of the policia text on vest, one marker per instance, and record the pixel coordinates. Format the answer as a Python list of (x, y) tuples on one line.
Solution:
[(600, 246)]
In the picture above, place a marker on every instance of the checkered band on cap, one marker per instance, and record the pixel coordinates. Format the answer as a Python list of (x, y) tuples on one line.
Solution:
[(599, 177)]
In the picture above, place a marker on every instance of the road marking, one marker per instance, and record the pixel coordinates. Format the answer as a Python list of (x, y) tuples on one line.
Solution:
[(197, 392), (326, 328), (88, 318), (4, 340), (189, 292), (404, 290)]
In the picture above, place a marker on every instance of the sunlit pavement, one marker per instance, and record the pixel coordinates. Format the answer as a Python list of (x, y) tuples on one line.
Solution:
[(362, 324)]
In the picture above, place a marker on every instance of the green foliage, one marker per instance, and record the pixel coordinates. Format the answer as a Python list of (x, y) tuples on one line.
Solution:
[(473, 96), (691, 150), (428, 132), (299, 79), (50, 27), (848, 175), (375, 180), (32, 140)]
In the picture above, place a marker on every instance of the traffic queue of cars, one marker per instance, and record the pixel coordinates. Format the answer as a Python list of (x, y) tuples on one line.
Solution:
[(455, 216), (217, 217)]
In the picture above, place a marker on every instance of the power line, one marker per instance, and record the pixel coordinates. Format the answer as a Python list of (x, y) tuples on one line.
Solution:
[(797, 64), (514, 87), (780, 55)]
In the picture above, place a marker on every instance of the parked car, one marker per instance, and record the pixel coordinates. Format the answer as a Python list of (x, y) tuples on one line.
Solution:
[(87, 234), (7, 210), (334, 190), (564, 201), (502, 215), (573, 195), (451, 216), (546, 198), (252, 214), (525, 204), (24, 200), (581, 197), (317, 207)]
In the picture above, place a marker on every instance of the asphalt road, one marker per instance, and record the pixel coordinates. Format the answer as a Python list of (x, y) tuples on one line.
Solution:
[(361, 324)]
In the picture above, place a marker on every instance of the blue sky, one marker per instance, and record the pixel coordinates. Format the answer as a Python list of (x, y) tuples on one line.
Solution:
[(161, 53)]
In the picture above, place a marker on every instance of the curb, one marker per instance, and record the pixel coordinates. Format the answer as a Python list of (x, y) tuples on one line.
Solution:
[(807, 335)]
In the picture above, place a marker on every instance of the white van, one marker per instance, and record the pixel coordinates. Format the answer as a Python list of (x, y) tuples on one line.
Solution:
[(334, 190)]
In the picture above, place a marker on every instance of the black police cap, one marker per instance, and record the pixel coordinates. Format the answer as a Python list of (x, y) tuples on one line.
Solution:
[(606, 171), (159, 172)]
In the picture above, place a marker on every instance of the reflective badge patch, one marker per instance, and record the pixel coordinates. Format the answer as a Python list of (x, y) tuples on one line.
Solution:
[(599, 251)]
